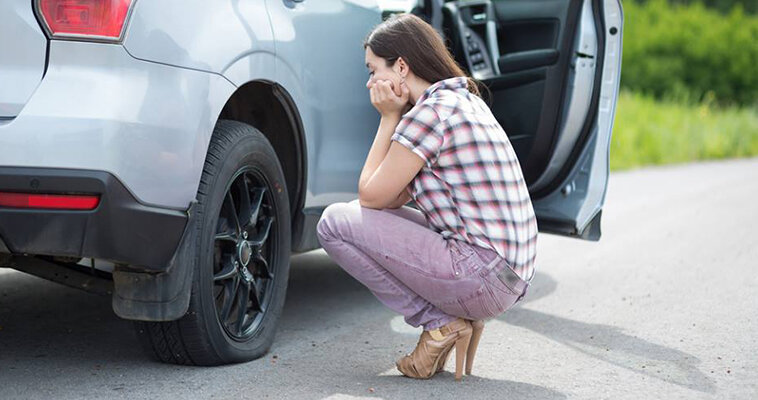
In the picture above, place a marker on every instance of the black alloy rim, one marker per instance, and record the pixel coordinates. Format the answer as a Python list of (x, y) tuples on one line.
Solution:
[(243, 254)]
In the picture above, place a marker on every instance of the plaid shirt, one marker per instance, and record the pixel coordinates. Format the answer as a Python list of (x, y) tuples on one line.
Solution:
[(471, 187)]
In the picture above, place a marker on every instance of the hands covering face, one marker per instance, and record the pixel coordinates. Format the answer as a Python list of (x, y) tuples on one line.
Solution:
[(387, 100)]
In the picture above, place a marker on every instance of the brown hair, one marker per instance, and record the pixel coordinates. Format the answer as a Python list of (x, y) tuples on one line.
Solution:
[(419, 44)]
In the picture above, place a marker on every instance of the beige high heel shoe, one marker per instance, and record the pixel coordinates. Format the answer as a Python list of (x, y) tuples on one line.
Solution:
[(476, 334), (423, 362)]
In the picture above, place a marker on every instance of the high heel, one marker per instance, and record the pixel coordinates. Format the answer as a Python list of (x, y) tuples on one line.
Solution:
[(461, 344), (432, 346), (476, 333)]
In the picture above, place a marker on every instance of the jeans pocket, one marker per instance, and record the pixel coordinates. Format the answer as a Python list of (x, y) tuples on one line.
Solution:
[(503, 294), (466, 261), (496, 284)]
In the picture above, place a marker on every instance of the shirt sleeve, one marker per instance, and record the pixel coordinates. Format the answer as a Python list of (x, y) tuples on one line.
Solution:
[(419, 131)]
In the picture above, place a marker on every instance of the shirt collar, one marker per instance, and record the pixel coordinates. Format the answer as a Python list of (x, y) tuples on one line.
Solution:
[(456, 82)]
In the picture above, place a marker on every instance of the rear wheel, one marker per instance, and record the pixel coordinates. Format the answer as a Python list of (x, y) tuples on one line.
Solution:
[(242, 262)]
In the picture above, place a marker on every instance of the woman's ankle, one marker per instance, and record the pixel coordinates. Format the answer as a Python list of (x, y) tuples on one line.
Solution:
[(439, 323)]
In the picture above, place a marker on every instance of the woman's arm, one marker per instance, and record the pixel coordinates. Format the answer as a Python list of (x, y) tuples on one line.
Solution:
[(379, 148), (401, 200), (385, 186), (389, 167)]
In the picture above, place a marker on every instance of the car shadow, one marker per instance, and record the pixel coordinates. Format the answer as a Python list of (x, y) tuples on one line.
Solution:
[(44, 320)]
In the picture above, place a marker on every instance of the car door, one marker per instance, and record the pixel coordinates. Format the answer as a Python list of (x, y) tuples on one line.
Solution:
[(551, 68), (320, 58)]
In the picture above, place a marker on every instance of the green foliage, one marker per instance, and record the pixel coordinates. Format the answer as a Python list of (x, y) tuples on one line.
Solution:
[(648, 131), (690, 52), (724, 6)]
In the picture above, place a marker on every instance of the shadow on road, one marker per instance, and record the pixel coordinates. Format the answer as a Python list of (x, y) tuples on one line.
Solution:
[(41, 320), (609, 343), (318, 288), (46, 328)]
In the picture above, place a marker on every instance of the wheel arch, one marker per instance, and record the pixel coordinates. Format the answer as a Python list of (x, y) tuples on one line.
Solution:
[(269, 107)]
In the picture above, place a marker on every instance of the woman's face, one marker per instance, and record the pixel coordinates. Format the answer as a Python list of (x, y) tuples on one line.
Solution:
[(378, 71)]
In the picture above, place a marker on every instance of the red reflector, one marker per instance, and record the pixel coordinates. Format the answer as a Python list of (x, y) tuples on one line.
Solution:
[(48, 201), (85, 17)]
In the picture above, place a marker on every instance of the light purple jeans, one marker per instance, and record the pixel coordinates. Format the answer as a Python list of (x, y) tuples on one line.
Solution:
[(413, 270)]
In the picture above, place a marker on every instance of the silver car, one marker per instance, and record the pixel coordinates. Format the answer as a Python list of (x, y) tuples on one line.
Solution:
[(173, 154)]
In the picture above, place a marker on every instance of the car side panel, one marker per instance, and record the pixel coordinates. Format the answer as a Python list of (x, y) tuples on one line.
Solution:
[(22, 59), (203, 35), (320, 60)]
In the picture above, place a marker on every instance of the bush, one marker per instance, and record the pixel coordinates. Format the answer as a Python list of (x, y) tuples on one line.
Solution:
[(684, 52), (750, 6)]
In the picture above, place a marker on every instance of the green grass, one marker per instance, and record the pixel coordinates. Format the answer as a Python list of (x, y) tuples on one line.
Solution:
[(654, 132)]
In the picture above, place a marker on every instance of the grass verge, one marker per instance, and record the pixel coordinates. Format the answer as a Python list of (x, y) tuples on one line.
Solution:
[(654, 132)]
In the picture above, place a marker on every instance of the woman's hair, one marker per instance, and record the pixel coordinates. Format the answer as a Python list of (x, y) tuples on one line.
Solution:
[(422, 48)]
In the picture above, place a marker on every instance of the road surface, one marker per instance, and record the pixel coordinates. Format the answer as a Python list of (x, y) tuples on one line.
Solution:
[(665, 305)]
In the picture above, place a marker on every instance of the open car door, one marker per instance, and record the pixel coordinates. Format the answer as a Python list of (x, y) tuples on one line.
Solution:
[(552, 69)]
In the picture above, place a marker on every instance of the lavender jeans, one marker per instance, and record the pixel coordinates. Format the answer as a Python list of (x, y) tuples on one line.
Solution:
[(413, 270)]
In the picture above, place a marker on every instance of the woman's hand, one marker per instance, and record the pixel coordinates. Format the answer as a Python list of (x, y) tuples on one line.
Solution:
[(386, 101)]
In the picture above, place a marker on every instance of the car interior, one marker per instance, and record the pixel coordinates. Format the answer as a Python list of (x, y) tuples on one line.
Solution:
[(521, 51)]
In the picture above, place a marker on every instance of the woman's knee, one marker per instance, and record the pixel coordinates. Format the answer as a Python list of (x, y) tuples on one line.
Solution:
[(333, 219)]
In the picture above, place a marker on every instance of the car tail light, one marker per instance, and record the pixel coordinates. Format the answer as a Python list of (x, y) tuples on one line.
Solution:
[(49, 201), (85, 19)]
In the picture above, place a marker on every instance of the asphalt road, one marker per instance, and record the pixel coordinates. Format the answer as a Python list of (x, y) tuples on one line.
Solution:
[(665, 305)]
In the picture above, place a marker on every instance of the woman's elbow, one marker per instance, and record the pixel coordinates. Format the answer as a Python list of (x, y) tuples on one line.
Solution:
[(370, 200)]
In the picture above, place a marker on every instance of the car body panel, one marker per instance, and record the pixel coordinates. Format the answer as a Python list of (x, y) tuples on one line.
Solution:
[(96, 110), (292, 50), (203, 35), (320, 61), (22, 59)]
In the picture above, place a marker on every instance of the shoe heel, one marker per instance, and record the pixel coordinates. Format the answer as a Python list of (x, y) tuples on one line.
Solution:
[(461, 344), (476, 334)]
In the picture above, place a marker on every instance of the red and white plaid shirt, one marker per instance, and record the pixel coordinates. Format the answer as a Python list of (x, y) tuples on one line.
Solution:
[(471, 187)]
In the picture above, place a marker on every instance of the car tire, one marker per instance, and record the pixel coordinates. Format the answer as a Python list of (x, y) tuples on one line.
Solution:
[(232, 259)]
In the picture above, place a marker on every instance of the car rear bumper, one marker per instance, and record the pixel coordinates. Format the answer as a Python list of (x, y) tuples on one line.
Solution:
[(120, 229)]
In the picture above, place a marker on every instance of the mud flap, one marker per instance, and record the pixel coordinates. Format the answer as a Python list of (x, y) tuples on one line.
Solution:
[(164, 296)]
